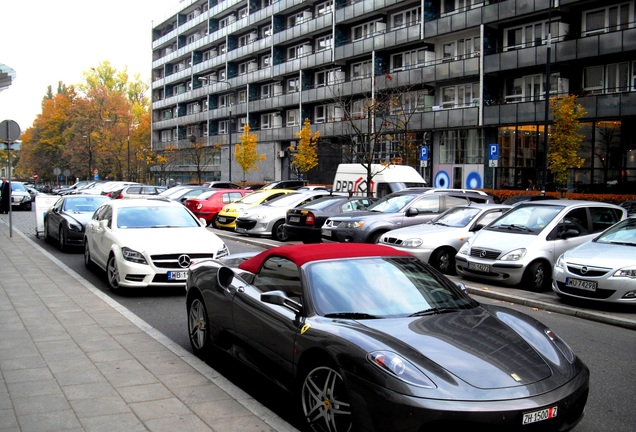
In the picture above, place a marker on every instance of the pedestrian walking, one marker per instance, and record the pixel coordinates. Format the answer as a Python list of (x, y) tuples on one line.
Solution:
[(5, 196)]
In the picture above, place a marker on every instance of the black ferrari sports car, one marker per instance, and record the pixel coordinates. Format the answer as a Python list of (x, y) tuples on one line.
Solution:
[(370, 338)]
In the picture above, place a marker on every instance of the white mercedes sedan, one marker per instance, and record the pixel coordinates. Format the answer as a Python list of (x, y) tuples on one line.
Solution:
[(147, 242)]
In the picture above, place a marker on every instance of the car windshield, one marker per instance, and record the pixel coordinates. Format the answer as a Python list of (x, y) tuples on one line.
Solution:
[(526, 219), (392, 204), (381, 287), (623, 233), (18, 187), (155, 217), (456, 217), (84, 203), (254, 197)]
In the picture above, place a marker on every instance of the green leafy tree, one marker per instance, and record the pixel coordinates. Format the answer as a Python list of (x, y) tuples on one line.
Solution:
[(565, 140), (306, 156), (246, 154)]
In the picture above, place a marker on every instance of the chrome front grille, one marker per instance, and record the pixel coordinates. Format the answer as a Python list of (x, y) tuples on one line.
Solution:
[(172, 260), (484, 253)]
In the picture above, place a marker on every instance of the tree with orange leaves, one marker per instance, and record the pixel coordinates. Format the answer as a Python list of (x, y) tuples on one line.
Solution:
[(246, 154), (306, 155)]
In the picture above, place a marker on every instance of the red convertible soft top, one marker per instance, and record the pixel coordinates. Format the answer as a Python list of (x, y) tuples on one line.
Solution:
[(303, 253)]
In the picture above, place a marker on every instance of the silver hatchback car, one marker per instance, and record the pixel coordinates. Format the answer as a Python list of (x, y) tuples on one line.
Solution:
[(521, 247)]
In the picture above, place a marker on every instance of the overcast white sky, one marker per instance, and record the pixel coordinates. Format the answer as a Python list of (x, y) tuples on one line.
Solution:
[(46, 41)]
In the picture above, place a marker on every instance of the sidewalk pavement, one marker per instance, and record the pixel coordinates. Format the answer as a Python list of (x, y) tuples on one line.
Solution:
[(72, 359)]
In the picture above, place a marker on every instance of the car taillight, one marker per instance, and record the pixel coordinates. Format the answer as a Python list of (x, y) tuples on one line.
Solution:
[(120, 196), (310, 219)]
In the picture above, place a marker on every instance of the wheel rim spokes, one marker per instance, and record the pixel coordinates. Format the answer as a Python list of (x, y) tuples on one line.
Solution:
[(324, 401), (113, 274), (198, 325)]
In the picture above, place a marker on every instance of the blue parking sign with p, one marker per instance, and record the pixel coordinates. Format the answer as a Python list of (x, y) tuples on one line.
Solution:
[(424, 153), (494, 151)]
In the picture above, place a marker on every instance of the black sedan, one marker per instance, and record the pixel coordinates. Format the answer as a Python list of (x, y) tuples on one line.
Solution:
[(371, 338), (66, 220), (305, 223)]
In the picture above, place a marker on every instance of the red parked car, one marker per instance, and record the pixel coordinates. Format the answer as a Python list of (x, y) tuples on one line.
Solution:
[(209, 204)]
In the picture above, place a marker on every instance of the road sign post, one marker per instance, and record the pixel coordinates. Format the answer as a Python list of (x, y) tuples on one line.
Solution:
[(9, 132), (493, 156)]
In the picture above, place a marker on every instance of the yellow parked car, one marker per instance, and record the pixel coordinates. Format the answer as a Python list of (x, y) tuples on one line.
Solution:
[(226, 219)]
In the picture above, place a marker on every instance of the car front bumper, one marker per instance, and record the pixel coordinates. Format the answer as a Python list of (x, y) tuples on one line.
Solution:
[(508, 273), (379, 409), (605, 289)]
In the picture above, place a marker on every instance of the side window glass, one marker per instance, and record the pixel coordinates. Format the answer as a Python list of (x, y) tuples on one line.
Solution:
[(427, 204), (602, 218), (452, 201), (383, 190), (279, 274), (577, 220), (489, 217), (107, 215)]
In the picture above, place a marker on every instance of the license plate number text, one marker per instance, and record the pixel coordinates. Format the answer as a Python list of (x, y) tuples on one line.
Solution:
[(582, 284), (479, 267), (537, 416), (177, 275)]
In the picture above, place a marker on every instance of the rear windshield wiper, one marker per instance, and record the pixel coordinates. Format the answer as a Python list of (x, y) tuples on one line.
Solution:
[(433, 311), (351, 315)]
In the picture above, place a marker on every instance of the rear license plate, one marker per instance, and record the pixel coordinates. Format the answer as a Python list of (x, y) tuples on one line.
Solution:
[(581, 284), (221, 219), (294, 219), (537, 416), (479, 267), (326, 233), (177, 275)]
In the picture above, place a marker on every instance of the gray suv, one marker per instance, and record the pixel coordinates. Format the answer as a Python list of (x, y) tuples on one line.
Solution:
[(399, 209)]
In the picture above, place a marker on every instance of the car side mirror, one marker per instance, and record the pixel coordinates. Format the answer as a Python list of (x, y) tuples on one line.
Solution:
[(280, 298), (478, 227), (224, 277), (203, 222), (103, 223), (570, 233), (412, 212), (461, 286)]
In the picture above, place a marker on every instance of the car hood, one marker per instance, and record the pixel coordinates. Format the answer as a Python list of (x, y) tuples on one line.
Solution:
[(424, 229), (503, 240), (170, 240), (81, 217), (602, 255), (473, 345)]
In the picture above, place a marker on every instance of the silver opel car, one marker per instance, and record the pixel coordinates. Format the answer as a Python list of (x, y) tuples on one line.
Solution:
[(522, 246), (603, 269)]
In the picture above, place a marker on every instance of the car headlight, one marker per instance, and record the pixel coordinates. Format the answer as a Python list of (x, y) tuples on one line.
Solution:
[(397, 366), (75, 227), (133, 256), (465, 249), (560, 263), (353, 224), (223, 251), (514, 255), (412, 243), (626, 273)]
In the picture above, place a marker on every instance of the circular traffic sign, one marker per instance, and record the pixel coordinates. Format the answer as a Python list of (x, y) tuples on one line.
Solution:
[(9, 131)]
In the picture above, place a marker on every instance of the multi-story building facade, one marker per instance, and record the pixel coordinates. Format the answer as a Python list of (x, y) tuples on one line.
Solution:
[(462, 74)]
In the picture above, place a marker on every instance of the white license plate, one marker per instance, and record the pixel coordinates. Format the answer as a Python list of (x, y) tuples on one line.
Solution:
[(537, 416), (221, 219), (326, 233), (479, 267), (581, 284), (177, 275), (294, 219)]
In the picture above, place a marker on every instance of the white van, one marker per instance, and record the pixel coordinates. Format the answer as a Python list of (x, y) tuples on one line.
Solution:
[(352, 178)]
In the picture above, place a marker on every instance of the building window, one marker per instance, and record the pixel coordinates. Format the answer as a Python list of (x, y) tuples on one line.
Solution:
[(243, 40), (298, 51), (293, 117), (293, 85), (193, 108), (224, 127), (298, 18), (328, 77), (266, 61), (226, 21), (266, 121), (367, 30), (247, 67), (266, 31), (324, 8), (222, 48), (242, 96), (610, 78), (406, 18), (460, 95), (359, 109), (226, 100), (242, 13), (327, 113), (166, 136), (531, 87), (410, 59), (462, 146), (361, 70), (610, 18), (267, 91), (455, 6), (323, 43)]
